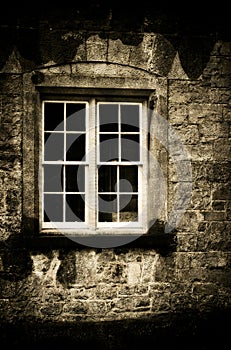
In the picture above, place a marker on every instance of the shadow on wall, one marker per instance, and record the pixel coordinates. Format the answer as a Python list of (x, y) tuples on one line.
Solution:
[(16, 250), (38, 34), (176, 331)]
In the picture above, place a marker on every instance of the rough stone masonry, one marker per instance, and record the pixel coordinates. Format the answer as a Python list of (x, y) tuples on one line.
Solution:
[(53, 291)]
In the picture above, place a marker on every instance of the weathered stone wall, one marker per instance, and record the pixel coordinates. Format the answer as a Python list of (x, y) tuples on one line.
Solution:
[(52, 284)]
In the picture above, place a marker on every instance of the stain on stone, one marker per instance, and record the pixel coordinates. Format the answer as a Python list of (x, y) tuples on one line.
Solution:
[(194, 54), (66, 273), (27, 42), (163, 53), (117, 271), (130, 38), (16, 260), (54, 46), (30, 229), (7, 40), (37, 77)]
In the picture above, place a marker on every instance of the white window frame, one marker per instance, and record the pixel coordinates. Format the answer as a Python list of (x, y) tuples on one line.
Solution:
[(91, 226)]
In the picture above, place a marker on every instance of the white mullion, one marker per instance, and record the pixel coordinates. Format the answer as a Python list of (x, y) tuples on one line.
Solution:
[(43, 132), (118, 193), (86, 165), (119, 132), (98, 163), (139, 196), (119, 161), (92, 168), (113, 193), (122, 163), (140, 187), (141, 132), (60, 162), (64, 193), (42, 198), (75, 132), (64, 131), (42, 169), (122, 132), (64, 165), (143, 168)]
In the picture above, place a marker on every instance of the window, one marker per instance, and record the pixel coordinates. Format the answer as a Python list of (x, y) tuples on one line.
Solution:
[(94, 165)]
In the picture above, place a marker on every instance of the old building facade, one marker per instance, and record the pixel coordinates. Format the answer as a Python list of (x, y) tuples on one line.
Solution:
[(111, 285)]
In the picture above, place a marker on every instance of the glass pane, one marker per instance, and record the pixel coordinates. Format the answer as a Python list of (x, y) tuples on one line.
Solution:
[(53, 146), (108, 117), (107, 178), (75, 147), (128, 178), (128, 208), (129, 118), (107, 208), (75, 178), (75, 207), (53, 178), (109, 149), (53, 207), (53, 116), (130, 148), (75, 117)]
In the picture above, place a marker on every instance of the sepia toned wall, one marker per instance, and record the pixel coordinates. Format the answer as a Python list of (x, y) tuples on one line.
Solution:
[(186, 272)]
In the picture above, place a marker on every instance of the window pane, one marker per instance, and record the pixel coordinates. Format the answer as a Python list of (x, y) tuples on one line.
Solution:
[(128, 208), (129, 118), (53, 145), (108, 117), (75, 207), (53, 207), (107, 208), (53, 178), (75, 117), (75, 147), (107, 178), (109, 148), (75, 178), (130, 148), (53, 116), (128, 178)]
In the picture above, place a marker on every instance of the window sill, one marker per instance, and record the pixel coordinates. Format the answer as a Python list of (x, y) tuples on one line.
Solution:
[(156, 238)]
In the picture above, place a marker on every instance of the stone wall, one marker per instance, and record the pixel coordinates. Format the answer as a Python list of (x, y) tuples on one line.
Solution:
[(52, 283)]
